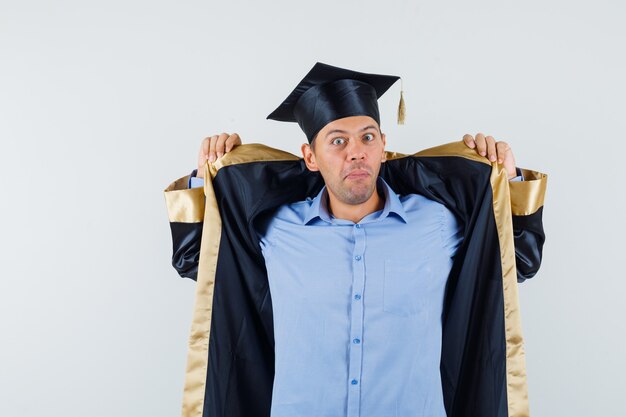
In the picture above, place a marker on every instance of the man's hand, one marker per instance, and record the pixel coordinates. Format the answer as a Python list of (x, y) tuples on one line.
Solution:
[(487, 146), (214, 147)]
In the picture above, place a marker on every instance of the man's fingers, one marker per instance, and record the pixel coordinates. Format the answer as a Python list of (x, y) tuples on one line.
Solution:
[(203, 153), (487, 146), (491, 148), (505, 153), (216, 146), (469, 140), (206, 143), (212, 143), (219, 146), (232, 141), (502, 148), (481, 144)]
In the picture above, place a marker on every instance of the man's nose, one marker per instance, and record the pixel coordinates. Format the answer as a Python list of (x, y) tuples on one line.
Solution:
[(356, 150)]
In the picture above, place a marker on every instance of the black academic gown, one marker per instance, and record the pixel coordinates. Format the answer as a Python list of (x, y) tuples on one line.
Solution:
[(230, 367)]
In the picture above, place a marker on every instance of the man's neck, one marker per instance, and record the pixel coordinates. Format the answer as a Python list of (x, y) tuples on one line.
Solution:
[(356, 212)]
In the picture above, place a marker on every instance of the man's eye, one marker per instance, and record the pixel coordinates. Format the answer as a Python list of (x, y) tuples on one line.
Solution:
[(338, 141), (369, 137)]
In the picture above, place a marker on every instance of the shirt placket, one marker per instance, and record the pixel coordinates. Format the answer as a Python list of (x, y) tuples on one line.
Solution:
[(356, 322)]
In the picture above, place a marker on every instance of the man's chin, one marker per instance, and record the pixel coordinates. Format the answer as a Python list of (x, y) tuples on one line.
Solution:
[(359, 195)]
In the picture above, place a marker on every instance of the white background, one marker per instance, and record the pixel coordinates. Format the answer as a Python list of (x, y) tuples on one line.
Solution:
[(103, 104)]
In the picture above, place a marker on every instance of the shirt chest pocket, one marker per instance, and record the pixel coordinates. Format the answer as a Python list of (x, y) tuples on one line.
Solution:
[(405, 287)]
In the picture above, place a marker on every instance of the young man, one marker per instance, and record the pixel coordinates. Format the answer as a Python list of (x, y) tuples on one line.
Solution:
[(335, 295)]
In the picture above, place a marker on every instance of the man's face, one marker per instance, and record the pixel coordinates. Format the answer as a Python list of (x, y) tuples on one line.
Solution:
[(348, 153)]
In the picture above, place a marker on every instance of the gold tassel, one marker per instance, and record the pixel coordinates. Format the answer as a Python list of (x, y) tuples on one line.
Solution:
[(401, 106)]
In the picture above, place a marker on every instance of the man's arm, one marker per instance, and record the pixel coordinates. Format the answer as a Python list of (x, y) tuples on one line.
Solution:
[(185, 209), (185, 206), (527, 195), (527, 210)]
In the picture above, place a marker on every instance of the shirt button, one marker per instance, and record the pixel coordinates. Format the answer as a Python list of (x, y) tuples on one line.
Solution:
[(356, 341), (354, 382), (357, 296), (358, 257), (358, 226)]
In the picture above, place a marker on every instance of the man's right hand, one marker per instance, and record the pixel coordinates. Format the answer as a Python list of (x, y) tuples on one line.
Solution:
[(214, 147)]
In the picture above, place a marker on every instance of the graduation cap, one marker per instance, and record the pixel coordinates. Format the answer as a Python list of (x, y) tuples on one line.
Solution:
[(329, 93)]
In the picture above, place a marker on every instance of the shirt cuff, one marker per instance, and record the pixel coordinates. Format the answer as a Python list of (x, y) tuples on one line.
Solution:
[(195, 182), (519, 177)]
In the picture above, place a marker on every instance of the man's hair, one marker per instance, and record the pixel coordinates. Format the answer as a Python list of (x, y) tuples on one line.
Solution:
[(312, 143)]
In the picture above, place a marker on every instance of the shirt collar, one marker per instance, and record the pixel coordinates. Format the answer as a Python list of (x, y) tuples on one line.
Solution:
[(319, 206)]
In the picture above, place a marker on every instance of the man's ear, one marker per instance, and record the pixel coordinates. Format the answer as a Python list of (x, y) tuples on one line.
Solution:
[(309, 157), (384, 139)]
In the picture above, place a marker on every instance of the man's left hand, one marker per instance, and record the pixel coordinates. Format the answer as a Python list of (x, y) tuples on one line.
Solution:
[(500, 151)]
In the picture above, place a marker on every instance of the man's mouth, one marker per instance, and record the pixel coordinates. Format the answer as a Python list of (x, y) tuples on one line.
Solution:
[(357, 174)]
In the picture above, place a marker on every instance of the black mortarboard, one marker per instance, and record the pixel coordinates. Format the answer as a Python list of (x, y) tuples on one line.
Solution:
[(329, 93)]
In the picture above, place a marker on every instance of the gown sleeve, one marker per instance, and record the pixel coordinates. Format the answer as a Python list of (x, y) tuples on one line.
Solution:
[(527, 199), (185, 209)]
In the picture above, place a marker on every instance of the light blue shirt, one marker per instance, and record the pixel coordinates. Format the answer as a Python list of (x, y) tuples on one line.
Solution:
[(357, 307)]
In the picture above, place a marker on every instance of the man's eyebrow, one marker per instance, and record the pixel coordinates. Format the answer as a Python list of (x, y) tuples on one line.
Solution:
[(343, 131)]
